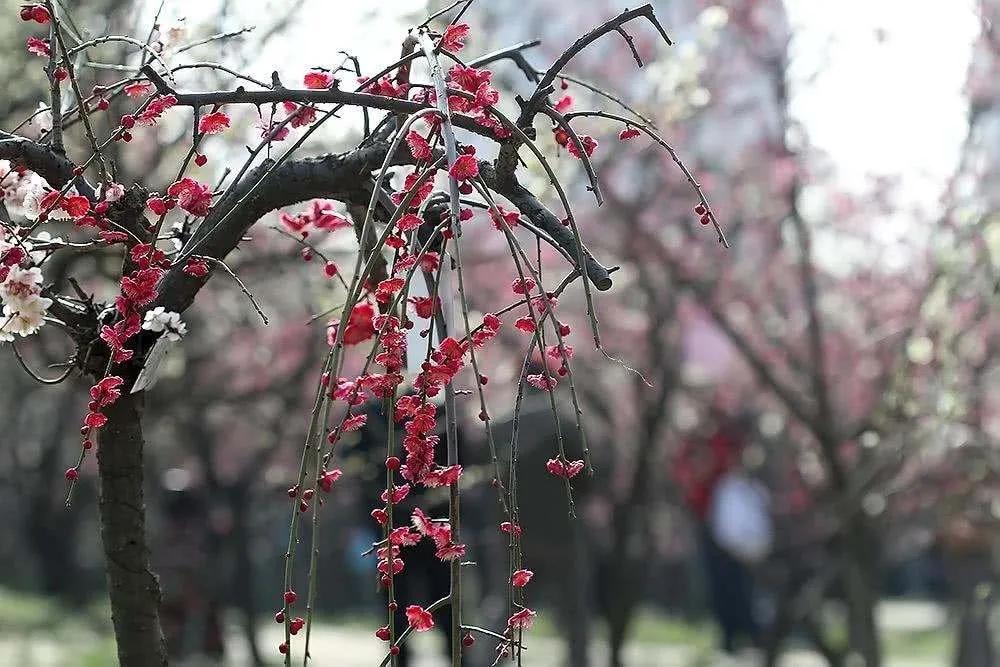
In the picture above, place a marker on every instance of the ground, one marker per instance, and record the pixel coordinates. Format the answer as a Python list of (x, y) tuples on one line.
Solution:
[(35, 632)]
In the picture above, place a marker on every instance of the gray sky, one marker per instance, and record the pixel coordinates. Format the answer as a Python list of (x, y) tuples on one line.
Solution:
[(886, 97)]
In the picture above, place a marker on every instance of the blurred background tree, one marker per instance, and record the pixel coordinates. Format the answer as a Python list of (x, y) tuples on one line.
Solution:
[(859, 331)]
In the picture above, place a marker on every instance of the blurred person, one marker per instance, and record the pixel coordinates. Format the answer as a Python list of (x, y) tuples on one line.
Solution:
[(709, 474), (189, 612), (968, 546)]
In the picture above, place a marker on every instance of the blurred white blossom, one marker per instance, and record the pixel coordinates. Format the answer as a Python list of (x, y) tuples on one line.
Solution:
[(169, 322)]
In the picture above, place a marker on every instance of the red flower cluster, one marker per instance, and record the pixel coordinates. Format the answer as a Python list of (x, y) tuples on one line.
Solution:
[(543, 382), (477, 82), (520, 578), (419, 618), (38, 47), (628, 133), (420, 149), (117, 335), (139, 89), (359, 325), (327, 479), (466, 167), (75, 206), (512, 529), (298, 116), (438, 532), (105, 392), (442, 367), (214, 123), (393, 343), (385, 290), (454, 37), (385, 87), (152, 112), (138, 289), (420, 194), (196, 268), (522, 620), (419, 440), (502, 217), (192, 196), (488, 331), (522, 286), (589, 146), (425, 306), (318, 80), (36, 13), (566, 469), (145, 256), (319, 214)]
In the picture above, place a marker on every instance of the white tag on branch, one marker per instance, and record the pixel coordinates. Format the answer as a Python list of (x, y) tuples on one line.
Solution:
[(173, 329), (154, 361), (416, 346)]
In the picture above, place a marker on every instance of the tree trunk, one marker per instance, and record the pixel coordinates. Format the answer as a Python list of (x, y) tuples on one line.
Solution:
[(133, 588), (862, 592), (243, 576), (578, 604), (974, 641), (617, 632)]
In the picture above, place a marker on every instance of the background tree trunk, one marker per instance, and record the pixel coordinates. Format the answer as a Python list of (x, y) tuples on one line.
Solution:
[(243, 574), (133, 588), (862, 591)]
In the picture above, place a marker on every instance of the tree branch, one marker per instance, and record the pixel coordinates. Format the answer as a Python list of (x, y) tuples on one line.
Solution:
[(327, 96), (537, 99), (43, 160), (345, 177), (540, 216)]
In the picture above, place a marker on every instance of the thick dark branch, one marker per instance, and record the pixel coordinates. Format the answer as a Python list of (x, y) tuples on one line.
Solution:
[(44, 160), (345, 177), (540, 216)]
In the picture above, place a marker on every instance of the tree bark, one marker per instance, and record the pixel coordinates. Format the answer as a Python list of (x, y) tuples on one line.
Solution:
[(862, 592), (243, 575), (132, 586)]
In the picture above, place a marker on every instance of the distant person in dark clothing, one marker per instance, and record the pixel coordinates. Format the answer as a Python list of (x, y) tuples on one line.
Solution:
[(698, 469), (190, 613)]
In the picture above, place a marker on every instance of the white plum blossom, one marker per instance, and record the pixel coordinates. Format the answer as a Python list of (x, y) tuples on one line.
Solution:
[(32, 202), (21, 285), (26, 316), (5, 244), (111, 193), (20, 292), (169, 322), (17, 186)]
